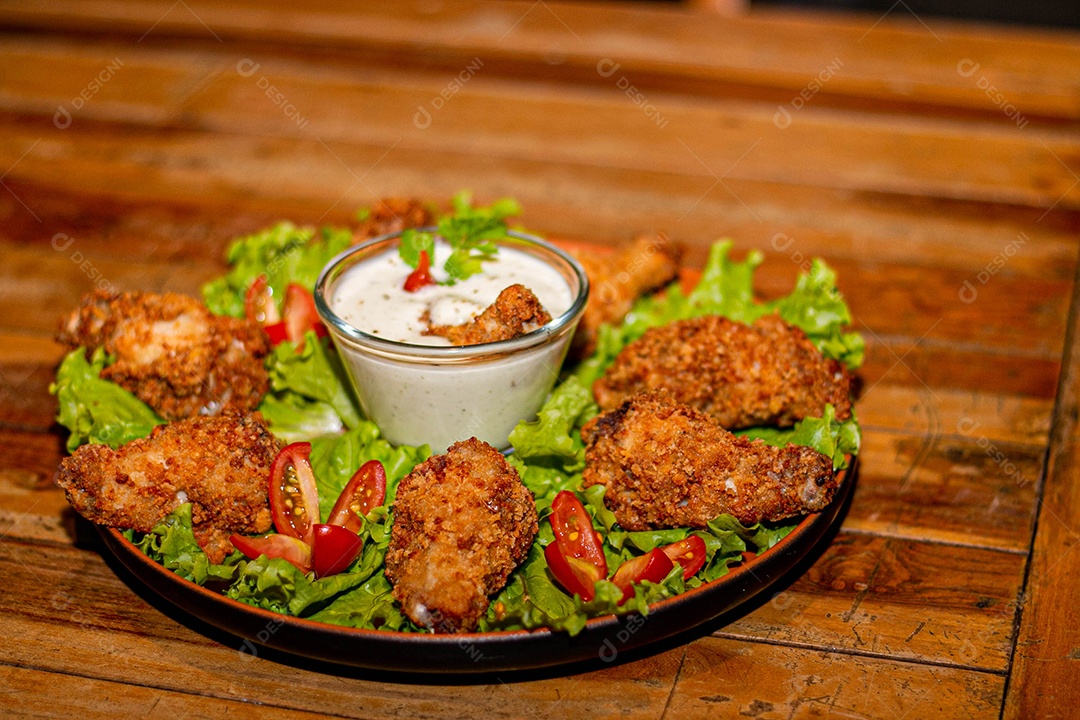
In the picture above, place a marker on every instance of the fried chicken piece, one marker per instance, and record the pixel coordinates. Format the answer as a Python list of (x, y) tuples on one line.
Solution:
[(171, 352), (617, 280), (515, 312), (220, 465), (768, 373), (666, 464), (391, 215), (462, 522)]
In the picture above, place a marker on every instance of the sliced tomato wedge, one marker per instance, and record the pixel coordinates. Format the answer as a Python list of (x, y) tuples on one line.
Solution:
[(421, 276), (334, 549), (259, 302), (690, 553), (300, 315), (575, 575), (294, 498), (652, 566), (574, 531), (576, 558), (277, 333), (281, 546), (365, 491)]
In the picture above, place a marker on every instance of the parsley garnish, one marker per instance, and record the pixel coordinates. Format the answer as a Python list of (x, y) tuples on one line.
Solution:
[(470, 232)]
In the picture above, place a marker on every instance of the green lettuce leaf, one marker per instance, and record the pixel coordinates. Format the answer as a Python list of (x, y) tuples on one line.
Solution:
[(284, 253), (309, 380), (275, 584), (172, 543), (96, 410), (826, 434)]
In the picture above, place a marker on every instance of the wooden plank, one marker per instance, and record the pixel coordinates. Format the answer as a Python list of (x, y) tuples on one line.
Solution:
[(899, 599), (83, 697), (706, 138), (857, 58), (89, 618), (727, 678), (1044, 681), (949, 489)]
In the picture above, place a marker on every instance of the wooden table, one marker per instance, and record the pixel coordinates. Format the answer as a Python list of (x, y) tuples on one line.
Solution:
[(935, 165)]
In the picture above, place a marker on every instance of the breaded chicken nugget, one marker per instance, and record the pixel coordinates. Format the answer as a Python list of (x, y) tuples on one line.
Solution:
[(171, 352), (516, 311), (617, 280), (462, 522), (221, 465), (768, 373), (668, 465), (391, 215)]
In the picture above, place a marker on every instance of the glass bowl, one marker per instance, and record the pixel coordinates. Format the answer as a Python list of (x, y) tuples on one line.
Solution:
[(437, 394)]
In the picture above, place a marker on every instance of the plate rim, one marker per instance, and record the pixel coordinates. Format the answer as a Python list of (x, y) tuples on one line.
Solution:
[(553, 647)]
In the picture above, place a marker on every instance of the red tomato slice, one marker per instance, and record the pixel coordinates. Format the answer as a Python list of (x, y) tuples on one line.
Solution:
[(277, 333), (365, 491), (690, 553), (577, 576), (294, 498), (334, 549), (288, 548), (421, 276), (574, 531), (259, 302), (300, 315), (653, 566)]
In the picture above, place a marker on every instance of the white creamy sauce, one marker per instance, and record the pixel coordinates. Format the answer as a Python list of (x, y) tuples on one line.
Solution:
[(371, 295), (417, 400)]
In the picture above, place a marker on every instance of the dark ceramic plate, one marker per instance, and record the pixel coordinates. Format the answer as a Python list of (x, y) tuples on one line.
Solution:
[(602, 638)]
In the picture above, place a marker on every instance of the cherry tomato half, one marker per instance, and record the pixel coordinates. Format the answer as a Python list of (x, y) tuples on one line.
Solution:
[(294, 498), (299, 315), (652, 566), (334, 549), (281, 546), (573, 530), (690, 553), (575, 575), (259, 302), (576, 558), (365, 491), (421, 276)]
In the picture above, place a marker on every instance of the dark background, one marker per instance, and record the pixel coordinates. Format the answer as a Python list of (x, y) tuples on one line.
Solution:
[(1044, 13)]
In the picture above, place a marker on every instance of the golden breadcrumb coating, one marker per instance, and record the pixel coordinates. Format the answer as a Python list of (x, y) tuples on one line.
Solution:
[(768, 373), (171, 352), (515, 312), (221, 465), (462, 522), (391, 215), (617, 280), (665, 464)]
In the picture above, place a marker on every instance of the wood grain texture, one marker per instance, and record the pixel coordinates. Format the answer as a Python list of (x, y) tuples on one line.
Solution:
[(722, 678), (89, 618), (654, 46), (703, 138), (935, 165), (897, 599), (1046, 665)]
